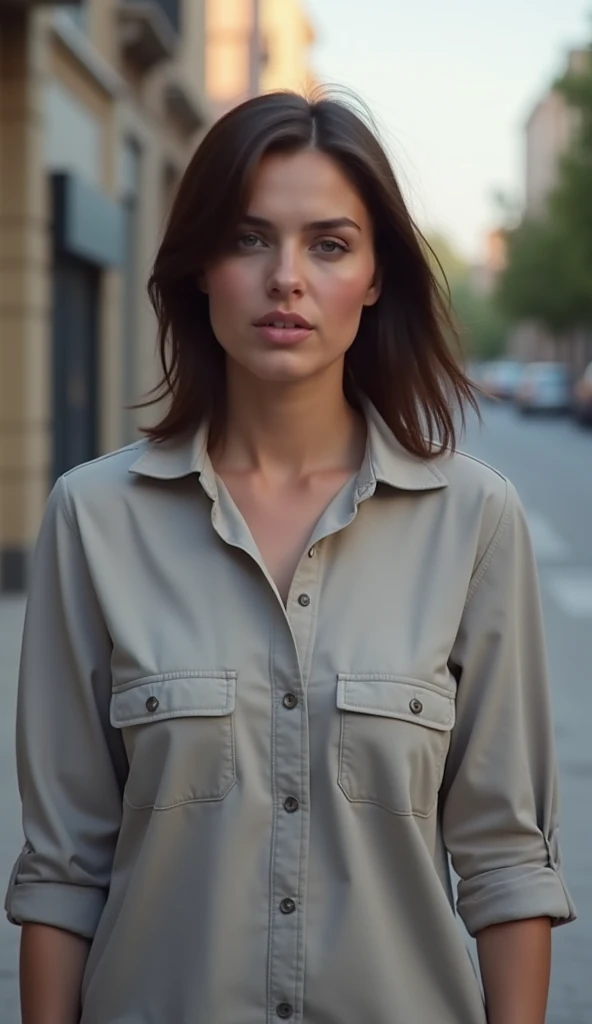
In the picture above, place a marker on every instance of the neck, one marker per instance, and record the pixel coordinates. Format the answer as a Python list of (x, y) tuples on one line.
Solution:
[(289, 430)]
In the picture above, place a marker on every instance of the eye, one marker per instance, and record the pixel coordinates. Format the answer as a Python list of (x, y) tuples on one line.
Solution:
[(330, 247), (249, 241)]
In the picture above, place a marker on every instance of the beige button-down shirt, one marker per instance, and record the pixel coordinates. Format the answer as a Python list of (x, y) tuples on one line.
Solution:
[(248, 807)]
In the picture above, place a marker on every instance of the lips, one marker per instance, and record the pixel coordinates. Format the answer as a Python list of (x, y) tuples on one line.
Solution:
[(278, 319)]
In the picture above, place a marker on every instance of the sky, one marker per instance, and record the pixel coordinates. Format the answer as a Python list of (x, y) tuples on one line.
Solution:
[(450, 84)]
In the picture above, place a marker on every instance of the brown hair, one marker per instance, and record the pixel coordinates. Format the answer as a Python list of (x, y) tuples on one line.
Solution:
[(401, 358)]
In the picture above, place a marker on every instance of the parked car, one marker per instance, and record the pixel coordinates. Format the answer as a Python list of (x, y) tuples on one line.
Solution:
[(583, 396), (500, 378), (544, 387)]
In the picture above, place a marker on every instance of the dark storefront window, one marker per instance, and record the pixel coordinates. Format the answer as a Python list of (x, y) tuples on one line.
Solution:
[(172, 9)]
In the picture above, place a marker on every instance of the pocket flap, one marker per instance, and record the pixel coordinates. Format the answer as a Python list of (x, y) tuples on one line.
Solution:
[(411, 700), (181, 694)]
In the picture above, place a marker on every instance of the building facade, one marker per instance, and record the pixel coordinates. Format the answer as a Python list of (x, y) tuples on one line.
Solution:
[(256, 46), (548, 134), (286, 36), (101, 104)]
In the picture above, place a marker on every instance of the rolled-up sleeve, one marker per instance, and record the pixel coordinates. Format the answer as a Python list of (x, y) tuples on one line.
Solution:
[(499, 796), (70, 761)]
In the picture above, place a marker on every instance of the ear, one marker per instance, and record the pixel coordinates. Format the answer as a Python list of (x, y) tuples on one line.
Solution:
[(202, 282), (373, 294)]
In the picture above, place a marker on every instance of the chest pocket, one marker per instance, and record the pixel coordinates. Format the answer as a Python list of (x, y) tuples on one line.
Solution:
[(395, 734), (178, 730)]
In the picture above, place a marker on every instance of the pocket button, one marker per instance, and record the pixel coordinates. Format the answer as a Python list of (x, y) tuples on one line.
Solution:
[(415, 706), (152, 704)]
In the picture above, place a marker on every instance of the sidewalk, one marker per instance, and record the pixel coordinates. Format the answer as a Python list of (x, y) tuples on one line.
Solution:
[(11, 620)]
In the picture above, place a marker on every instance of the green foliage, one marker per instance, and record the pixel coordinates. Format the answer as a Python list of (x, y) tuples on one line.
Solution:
[(543, 281), (481, 323)]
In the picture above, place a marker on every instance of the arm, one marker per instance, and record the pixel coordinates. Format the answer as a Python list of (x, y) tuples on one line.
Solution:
[(499, 795), (51, 969), (515, 961), (71, 770)]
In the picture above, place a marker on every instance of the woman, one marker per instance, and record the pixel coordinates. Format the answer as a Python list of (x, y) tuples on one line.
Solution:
[(285, 654)]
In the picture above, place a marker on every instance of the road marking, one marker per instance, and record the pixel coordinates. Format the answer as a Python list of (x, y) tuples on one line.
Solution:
[(572, 591), (549, 546)]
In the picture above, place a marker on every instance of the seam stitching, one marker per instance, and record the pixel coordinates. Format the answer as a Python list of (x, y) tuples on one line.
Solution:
[(492, 547)]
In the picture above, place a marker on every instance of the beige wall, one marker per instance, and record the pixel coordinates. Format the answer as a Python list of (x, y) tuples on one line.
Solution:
[(90, 68), (285, 38), (288, 36), (229, 33), (24, 299)]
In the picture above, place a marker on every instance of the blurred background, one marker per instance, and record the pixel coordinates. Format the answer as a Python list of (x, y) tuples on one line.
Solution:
[(486, 111)]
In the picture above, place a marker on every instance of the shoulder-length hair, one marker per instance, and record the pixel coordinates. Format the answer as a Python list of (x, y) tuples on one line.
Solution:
[(402, 357)]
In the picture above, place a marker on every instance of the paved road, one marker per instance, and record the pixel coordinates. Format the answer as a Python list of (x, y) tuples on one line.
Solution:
[(550, 461)]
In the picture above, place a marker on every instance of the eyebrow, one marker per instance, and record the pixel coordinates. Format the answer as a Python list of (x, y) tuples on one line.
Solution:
[(332, 224)]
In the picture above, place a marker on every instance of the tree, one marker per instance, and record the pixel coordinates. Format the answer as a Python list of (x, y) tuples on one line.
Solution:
[(481, 323), (542, 281)]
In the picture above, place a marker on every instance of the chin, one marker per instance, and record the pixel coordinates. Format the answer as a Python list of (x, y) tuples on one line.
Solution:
[(282, 368)]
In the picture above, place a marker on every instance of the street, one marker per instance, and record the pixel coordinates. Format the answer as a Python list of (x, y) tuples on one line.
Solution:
[(550, 462)]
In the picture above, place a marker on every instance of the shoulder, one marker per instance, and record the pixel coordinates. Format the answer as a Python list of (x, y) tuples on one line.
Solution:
[(100, 481), (483, 499), (470, 477)]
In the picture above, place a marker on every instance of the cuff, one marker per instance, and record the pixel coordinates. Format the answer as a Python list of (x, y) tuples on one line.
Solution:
[(73, 908), (514, 894)]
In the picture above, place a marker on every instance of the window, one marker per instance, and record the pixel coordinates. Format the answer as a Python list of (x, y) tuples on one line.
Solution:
[(73, 135), (172, 9)]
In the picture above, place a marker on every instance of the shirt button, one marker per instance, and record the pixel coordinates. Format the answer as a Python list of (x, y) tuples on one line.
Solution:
[(291, 804), (304, 600), (152, 704), (287, 906), (415, 706), (311, 552), (284, 1010), (290, 701)]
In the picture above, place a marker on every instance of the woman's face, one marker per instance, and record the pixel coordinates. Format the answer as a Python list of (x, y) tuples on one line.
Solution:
[(303, 258)]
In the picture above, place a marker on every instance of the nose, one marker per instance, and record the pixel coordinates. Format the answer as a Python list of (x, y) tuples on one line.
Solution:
[(286, 274)]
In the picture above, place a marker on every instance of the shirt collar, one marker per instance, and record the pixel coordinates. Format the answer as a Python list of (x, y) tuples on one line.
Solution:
[(177, 458), (386, 460)]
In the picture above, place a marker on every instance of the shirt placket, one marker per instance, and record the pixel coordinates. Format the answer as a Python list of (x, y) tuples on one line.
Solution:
[(291, 795), (290, 659)]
